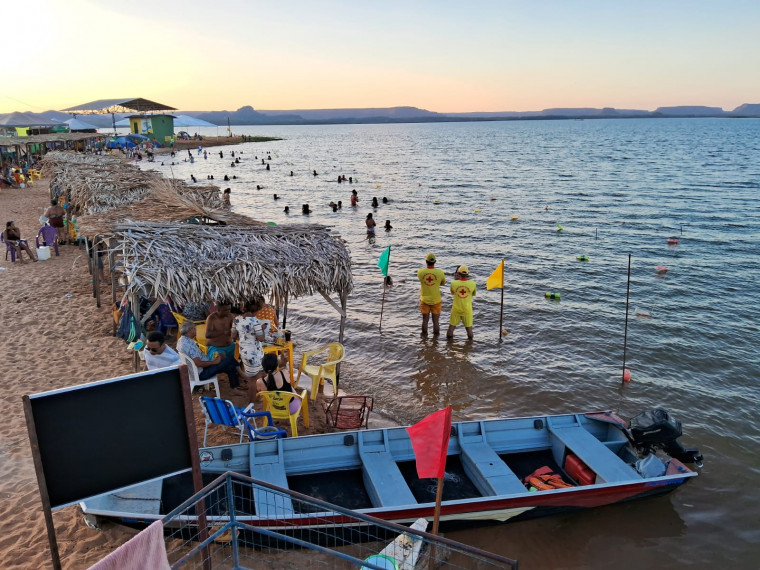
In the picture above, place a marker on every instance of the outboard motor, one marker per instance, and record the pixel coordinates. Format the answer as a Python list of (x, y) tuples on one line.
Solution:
[(657, 429)]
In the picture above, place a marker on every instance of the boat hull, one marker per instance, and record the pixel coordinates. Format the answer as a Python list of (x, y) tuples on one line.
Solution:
[(373, 473)]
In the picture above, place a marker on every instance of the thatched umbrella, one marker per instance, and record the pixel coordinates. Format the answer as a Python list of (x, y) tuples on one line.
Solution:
[(165, 201), (192, 263), (98, 183)]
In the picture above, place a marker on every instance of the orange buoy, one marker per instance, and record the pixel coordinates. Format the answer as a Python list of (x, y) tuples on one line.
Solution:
[(626, 375), (661, 269)]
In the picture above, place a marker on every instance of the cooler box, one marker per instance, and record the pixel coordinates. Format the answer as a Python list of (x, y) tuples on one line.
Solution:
[(579, 470), (43, 252)]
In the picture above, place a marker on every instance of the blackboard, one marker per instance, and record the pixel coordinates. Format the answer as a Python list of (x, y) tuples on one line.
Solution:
[(106, 435)]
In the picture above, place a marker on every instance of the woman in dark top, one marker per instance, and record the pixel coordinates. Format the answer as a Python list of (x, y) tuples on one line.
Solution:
[(272, 382)]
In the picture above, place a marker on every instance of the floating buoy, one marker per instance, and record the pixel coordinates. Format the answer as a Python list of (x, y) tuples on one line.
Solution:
[(513, 218), (478, 210), (644, 314), (504, 332), (377, 186), (436, 201), (559, 228), (492, 198), (673, 241), (661, 269), (552, 295), (582, 258), (626, 375)]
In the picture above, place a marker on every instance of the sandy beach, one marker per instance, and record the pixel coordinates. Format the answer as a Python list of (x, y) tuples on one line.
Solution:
[(57, 337)]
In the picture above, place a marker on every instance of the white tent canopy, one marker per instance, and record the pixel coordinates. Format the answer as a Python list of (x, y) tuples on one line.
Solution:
[(188, 121), (77, 125), (179, 121)]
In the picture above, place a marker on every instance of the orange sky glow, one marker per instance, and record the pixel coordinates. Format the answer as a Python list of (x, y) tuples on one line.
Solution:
[(441, 56)]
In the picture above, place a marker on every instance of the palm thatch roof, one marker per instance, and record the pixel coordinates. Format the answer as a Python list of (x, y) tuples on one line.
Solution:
[(63, 138), (105, 190), (193, 263), (163, 203)]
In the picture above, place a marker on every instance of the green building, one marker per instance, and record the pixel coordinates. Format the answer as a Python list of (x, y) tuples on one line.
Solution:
[(158, 127)]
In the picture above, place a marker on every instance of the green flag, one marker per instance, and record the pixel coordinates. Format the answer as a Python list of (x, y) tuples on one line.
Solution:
[(384, 261)]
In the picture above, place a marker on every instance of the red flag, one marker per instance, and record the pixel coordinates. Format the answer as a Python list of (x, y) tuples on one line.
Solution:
[(430, 441)]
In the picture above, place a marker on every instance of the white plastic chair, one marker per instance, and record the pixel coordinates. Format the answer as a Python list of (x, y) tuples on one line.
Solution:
[(195, 380)]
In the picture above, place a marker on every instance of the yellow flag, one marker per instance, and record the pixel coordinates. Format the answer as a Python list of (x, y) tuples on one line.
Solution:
[(496, 280)]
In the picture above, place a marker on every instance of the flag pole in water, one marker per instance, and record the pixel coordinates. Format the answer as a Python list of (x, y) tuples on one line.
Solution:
[(626, 373), (430, 442), (383, 262), (496, 281)]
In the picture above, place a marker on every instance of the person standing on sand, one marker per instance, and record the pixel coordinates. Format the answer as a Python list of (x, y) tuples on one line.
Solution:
[(55, 215), (461, 311), (431, 280)]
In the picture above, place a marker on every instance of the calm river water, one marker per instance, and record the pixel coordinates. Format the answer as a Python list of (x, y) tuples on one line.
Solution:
[(616, 187)]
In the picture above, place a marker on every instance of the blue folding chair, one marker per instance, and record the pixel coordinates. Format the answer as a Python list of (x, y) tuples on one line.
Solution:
[(225, 413)]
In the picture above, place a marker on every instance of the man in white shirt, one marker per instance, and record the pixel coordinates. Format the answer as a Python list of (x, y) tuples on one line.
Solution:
[(158, 354)]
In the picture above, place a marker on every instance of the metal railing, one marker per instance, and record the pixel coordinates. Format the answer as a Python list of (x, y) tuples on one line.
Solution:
[(335, 537)]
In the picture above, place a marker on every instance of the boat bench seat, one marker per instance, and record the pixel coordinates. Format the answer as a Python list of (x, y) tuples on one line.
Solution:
[(385, 484), (270, 468), (488, 471), (599, 458)]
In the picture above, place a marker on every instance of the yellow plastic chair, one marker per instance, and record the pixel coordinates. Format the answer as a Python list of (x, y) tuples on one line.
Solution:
[(200, 331), (318, 372), (34, 174), (287, 406)]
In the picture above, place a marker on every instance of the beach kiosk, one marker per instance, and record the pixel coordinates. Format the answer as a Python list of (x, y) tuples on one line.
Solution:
[(158, 127)]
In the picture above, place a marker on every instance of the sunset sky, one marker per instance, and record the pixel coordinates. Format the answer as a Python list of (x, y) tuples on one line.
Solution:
[(438, 55)]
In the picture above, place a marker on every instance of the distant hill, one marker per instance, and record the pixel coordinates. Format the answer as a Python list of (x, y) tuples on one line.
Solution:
[(247, 115), (690, 111), (396, 113), (747, 110)]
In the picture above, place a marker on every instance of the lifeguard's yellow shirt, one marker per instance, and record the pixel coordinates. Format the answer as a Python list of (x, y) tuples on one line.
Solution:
[(431, 280), (463, 292)]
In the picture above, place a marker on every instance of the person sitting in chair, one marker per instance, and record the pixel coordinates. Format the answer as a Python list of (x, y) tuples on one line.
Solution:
[(12, 235), (271, 382), (207, 367), (219, 331), (158, 354)]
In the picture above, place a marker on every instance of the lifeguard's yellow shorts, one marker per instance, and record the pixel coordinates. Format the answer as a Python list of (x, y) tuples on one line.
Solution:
[(426, 309), (457, 318)]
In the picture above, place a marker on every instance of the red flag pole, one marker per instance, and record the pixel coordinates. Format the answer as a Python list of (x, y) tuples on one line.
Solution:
[(438, 497)]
